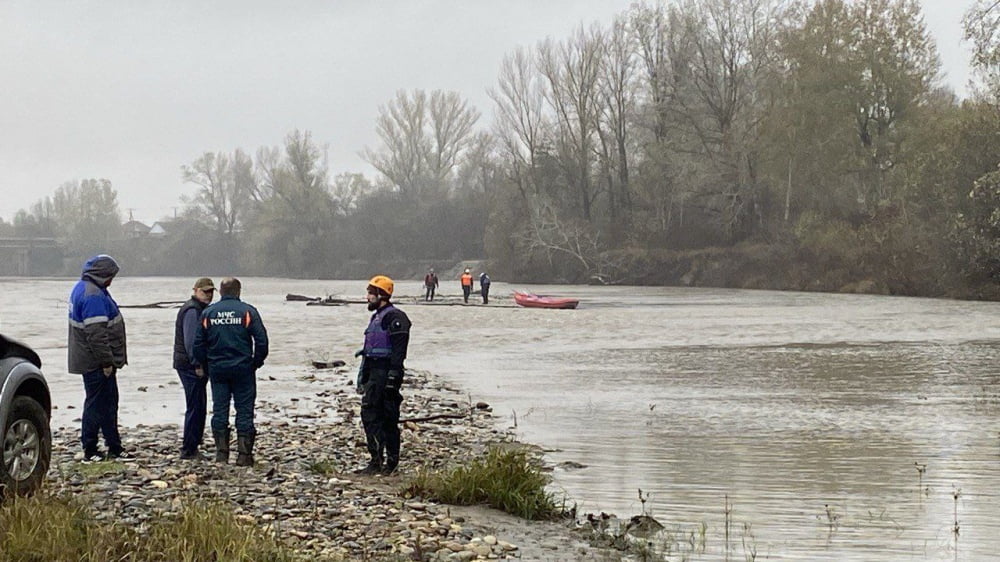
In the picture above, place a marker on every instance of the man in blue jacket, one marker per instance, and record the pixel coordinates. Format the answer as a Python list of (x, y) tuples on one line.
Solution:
[(191, 373), (484, 287), (96, 350), (232, 345)]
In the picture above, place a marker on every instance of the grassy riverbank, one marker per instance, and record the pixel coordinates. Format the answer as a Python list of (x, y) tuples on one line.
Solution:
[(302, 500), (55, 527), (50, 527)]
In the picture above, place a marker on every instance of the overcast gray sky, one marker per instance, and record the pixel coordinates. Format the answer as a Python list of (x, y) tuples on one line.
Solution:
[(132, 90)]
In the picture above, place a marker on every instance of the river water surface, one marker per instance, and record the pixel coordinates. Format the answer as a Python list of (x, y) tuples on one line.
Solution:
[(833, 427)]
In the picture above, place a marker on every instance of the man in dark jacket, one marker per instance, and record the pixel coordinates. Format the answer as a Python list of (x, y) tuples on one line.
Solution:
[(96, 350), (381, 376), (484, 287), (191, 373), (232, 345), (430, 284)]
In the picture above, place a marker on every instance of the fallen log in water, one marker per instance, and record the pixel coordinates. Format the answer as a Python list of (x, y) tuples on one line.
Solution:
[(328, 364), (338, 300), (323, 301), (161, 304)]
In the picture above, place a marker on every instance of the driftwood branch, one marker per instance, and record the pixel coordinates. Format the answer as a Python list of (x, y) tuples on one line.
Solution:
[(161, 304), (323, 301), (436, 417), (328, 364)]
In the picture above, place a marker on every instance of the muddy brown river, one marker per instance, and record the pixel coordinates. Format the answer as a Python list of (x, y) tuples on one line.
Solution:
[(828, 427)]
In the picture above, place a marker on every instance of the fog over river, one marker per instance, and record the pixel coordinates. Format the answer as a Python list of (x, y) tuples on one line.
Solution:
[(811, 413)]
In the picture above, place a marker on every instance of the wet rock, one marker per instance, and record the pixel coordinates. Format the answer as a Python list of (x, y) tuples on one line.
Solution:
[(643, 526)]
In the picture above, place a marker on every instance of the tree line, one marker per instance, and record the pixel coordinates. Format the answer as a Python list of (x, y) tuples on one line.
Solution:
[(817, 135)]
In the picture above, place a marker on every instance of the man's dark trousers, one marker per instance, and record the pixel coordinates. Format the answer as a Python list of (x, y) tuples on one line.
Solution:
[(100, 412), (241, 388), (196, 407), (380, 417)]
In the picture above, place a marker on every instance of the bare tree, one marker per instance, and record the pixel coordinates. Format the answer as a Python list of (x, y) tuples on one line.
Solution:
[(571, 70), (400, 127), (721, 99), (520, 124), (422, 139), (551, 234), (347, 189), (479, 170), (227, 186), (617, 101), (451, 122), (84, 212), (982, 28)]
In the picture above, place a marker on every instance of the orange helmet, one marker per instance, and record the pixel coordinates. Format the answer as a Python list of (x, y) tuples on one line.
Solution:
[(383, 283)]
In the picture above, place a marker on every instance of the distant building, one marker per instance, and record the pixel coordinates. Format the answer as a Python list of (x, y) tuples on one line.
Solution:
[(158, 230), (135, 229)]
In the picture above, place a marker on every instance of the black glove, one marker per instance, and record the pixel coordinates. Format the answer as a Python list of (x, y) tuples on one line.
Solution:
[(394, 379)]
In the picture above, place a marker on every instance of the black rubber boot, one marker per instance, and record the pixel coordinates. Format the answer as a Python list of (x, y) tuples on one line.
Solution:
[(244, 446), (373, 467), (391, 464), (221, 445)]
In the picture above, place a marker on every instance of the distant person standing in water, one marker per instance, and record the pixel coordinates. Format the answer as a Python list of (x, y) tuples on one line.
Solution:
[(430, 284), (484, 287), (96, 350), (192, 374), (466, 284)]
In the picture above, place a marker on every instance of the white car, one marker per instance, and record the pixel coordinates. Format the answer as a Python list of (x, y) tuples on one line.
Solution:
[(25, 408)]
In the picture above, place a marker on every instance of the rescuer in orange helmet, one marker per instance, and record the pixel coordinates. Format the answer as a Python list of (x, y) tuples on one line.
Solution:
[(380, 376)]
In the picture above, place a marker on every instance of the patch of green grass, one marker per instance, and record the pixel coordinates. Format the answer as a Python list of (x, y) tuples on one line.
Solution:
[(99, 468), (52, 528), (323, 467), (509, 480), (47, 528)]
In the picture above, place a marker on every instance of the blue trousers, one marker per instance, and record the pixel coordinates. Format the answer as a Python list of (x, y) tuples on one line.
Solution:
[(196, 407), (100, 413), (241, 389)]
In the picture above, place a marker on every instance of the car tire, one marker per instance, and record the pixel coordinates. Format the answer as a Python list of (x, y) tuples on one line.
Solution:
[(27, 447)]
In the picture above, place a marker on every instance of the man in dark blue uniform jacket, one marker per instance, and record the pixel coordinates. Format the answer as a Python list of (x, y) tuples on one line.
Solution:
[(231, 345)]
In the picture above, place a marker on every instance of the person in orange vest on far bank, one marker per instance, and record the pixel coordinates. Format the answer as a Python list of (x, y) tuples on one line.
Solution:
[(467, 284)]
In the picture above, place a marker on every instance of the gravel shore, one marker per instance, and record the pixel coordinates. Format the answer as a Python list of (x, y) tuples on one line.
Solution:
[(303, 489)]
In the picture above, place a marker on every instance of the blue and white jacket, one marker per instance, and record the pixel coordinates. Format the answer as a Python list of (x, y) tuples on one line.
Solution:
[(96, 326)]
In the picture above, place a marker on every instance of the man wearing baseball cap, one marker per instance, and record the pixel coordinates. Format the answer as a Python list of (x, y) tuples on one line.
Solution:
[(191, 373)]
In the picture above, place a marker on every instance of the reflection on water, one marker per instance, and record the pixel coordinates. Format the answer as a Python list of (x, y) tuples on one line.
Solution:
[(811, 413)]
